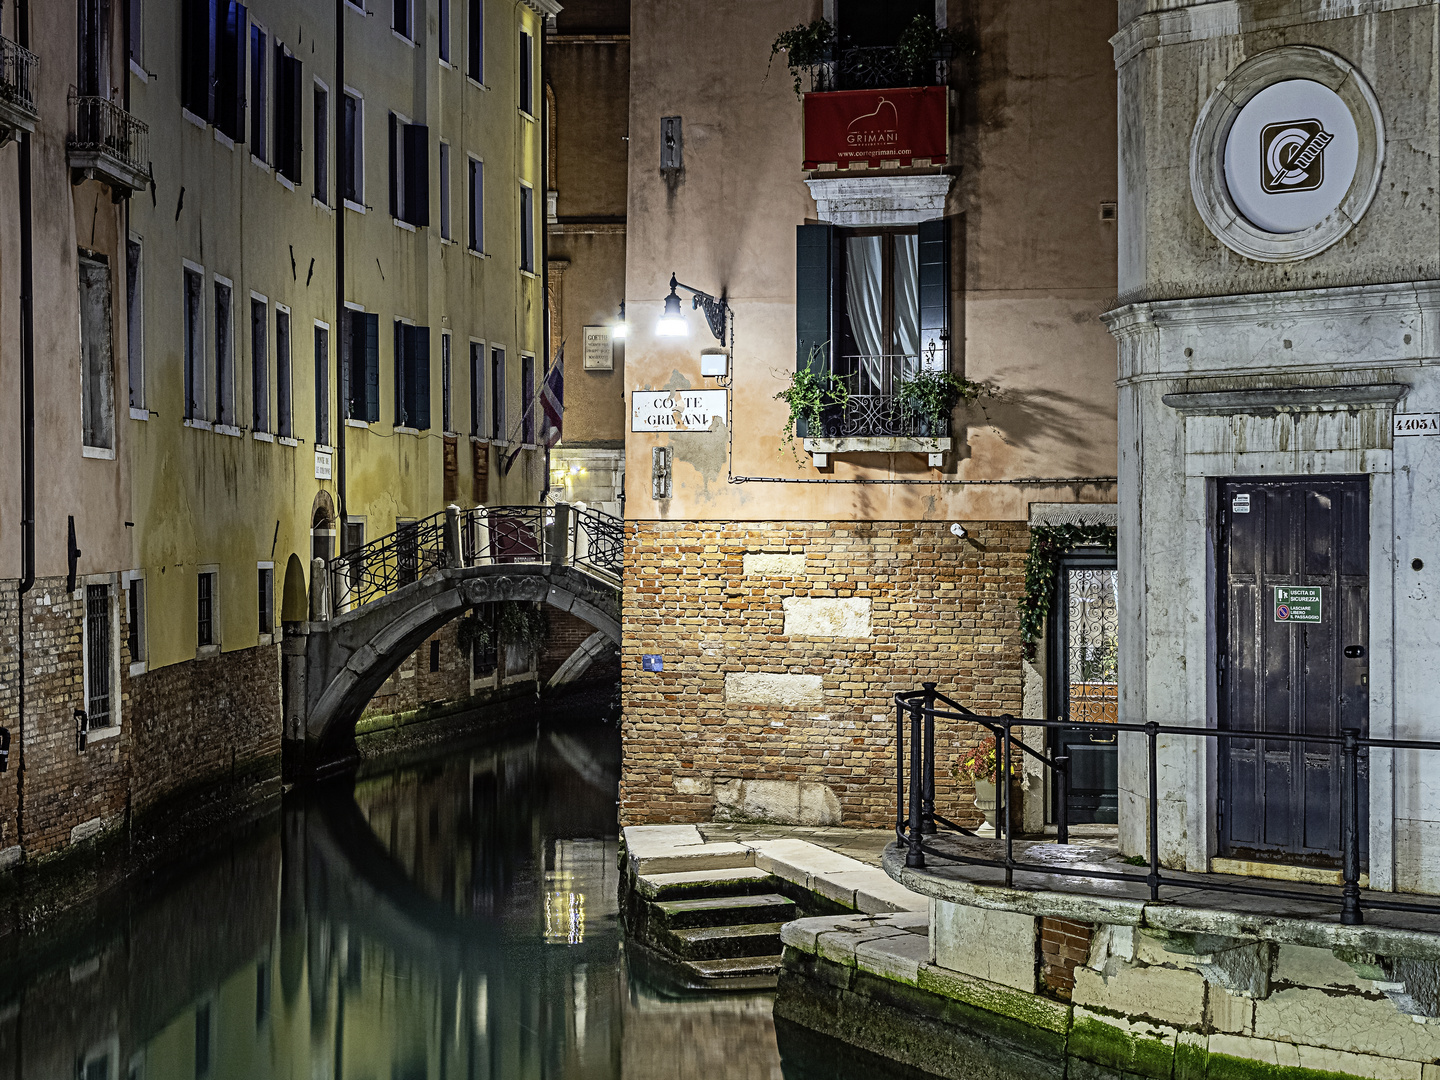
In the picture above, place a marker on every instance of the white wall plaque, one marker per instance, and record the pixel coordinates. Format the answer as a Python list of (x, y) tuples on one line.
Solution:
[(323, 464), (1291, 155), (1421, 423), (599, 349), (676, 410)]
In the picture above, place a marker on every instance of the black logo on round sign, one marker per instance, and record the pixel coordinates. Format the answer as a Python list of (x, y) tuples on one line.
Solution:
[(1292, 156)]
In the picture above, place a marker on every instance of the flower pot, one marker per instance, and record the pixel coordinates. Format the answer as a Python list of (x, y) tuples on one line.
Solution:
[(985, 802)]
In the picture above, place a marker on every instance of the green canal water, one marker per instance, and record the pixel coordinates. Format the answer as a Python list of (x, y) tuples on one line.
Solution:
[(451, 918)]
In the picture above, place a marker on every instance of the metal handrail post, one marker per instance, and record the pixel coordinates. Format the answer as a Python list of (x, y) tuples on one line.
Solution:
[(1152, 730), (1062, 808), (915, 856), (899, 766), (928, 784), (1350, 913), (1002, 773)]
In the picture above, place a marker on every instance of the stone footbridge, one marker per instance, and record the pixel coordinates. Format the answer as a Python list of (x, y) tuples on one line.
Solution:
[(372, 607)]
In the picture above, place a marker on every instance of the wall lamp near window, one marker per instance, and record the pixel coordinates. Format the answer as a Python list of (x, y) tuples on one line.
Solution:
[(672, 321)]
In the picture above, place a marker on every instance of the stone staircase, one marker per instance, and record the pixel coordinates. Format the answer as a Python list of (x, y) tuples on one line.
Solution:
[(708, 916)]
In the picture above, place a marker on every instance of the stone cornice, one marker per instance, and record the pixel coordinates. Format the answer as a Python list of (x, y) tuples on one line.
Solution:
[(1284, 399), (1227, 18), (880, 200)]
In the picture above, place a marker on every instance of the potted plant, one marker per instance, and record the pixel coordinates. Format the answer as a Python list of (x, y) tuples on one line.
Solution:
[(982, 766), (927, 398), (806, 47), (817, 399)]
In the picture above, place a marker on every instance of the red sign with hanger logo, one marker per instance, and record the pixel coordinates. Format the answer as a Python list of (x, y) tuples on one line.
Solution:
[(877, 127)]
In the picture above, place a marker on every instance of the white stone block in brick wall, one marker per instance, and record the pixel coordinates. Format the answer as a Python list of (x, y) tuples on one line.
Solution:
[(768, 688), (760, 565), (819, 616), (781, 802)]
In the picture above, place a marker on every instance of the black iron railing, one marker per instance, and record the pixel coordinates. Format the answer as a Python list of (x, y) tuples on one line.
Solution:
[(915, 816), (875, 404), (103, 133), (481, 536), (18, 66), (875, 67)]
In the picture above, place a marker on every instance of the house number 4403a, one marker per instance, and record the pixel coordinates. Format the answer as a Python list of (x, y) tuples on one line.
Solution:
[(1421, 423)]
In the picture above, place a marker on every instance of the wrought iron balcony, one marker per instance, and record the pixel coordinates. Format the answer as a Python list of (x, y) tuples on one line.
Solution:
[(879, 67), (874, 406), (107, 144), (19, 68)]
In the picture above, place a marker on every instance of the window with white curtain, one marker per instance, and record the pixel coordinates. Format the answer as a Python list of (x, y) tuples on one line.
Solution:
[(880, 301)]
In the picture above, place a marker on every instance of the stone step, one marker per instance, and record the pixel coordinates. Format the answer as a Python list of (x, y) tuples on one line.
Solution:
[(693, 884), (685, 858), (737, 973), (722, 942), (724, 911)]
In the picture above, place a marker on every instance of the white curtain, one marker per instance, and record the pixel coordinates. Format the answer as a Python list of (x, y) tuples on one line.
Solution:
[(907, 299), (863, 283)]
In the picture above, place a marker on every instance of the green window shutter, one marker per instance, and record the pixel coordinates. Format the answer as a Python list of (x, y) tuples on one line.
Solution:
[(814, 272), (402, 397), (371, 323), (394, 142), (935, 290), (814, 306), (419, 356), (417, 174)]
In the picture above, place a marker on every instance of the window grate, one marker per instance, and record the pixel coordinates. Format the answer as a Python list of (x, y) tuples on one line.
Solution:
[(97, 655), (206, 611)]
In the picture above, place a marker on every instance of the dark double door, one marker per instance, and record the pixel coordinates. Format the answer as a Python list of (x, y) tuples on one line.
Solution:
[(1292, 652)]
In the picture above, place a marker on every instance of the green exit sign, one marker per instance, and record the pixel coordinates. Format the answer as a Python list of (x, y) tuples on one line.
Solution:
[(1297, 603)]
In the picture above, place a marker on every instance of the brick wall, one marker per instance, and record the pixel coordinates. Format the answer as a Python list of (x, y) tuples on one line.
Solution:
[(939, 608), (1064, 946), (199, 724), (567, 633)]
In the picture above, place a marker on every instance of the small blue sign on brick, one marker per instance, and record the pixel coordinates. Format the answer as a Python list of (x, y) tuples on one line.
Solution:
[(652, 662)]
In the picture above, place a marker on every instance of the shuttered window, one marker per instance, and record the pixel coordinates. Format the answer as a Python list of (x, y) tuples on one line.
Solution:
[(527, 228), (197, 61), (288, 93), (409, 171), (935, 293), (259, 95), (527, 81), (322, 145), (284, 412), (477, 389), (229, 91), (352, 162), (475, 33), (260, 363), (361, 367), (322, 385), (412, 376)]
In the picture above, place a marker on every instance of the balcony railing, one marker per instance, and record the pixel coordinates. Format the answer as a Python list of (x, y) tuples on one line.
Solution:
[(18, 71), (108, 144), (875, 67), (873, 406)]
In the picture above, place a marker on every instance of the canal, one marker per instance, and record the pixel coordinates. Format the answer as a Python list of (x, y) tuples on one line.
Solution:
[(450, 917)]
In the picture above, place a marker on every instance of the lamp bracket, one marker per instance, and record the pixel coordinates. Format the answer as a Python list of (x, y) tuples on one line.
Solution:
[(717, 311)]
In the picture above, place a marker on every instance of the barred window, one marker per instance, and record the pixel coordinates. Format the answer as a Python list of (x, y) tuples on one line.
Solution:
[(97, 655)]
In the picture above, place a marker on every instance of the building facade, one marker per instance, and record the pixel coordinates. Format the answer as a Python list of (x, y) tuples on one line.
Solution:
[(1274, 384), (309, 245), (875, 222)]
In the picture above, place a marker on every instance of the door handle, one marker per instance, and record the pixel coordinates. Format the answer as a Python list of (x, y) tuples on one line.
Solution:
[(1354, 652)]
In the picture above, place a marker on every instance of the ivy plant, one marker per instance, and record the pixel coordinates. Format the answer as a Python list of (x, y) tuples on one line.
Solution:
[(516, 623), (805, 46), (810, 393), (1048, 544), (931, 395)]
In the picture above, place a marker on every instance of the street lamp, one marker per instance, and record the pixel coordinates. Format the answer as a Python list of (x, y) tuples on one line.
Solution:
[(621, 328), (672, 320)]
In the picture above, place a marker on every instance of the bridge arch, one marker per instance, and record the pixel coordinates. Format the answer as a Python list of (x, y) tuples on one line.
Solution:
[(349, 657)]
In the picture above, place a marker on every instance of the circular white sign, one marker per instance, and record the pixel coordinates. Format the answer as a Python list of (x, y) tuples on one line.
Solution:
[(1291, 155)]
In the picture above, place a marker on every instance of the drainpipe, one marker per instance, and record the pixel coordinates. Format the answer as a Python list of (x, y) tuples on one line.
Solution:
[(338, 351), (27, 431), (547, 120)]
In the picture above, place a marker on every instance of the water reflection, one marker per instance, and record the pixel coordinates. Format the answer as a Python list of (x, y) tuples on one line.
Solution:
[(452, 919)]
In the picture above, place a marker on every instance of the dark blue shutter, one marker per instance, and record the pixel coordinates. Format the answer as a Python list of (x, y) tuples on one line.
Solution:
[(297, 97), (402, 399), (371, 324), (419, 356), (417, 174), (229, 82), (197, 31), (394, 167), (935, 291)]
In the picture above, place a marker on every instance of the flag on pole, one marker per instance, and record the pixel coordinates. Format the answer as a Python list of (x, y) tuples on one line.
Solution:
[(552, 398)]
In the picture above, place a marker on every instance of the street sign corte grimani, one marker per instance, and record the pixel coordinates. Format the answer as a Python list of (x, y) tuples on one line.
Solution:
[(1292, 156)]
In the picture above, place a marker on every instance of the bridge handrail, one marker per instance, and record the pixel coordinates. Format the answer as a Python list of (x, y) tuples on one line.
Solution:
[(559, 535)]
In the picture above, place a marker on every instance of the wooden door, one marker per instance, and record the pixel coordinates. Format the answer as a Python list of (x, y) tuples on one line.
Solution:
[(1292, 639)]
